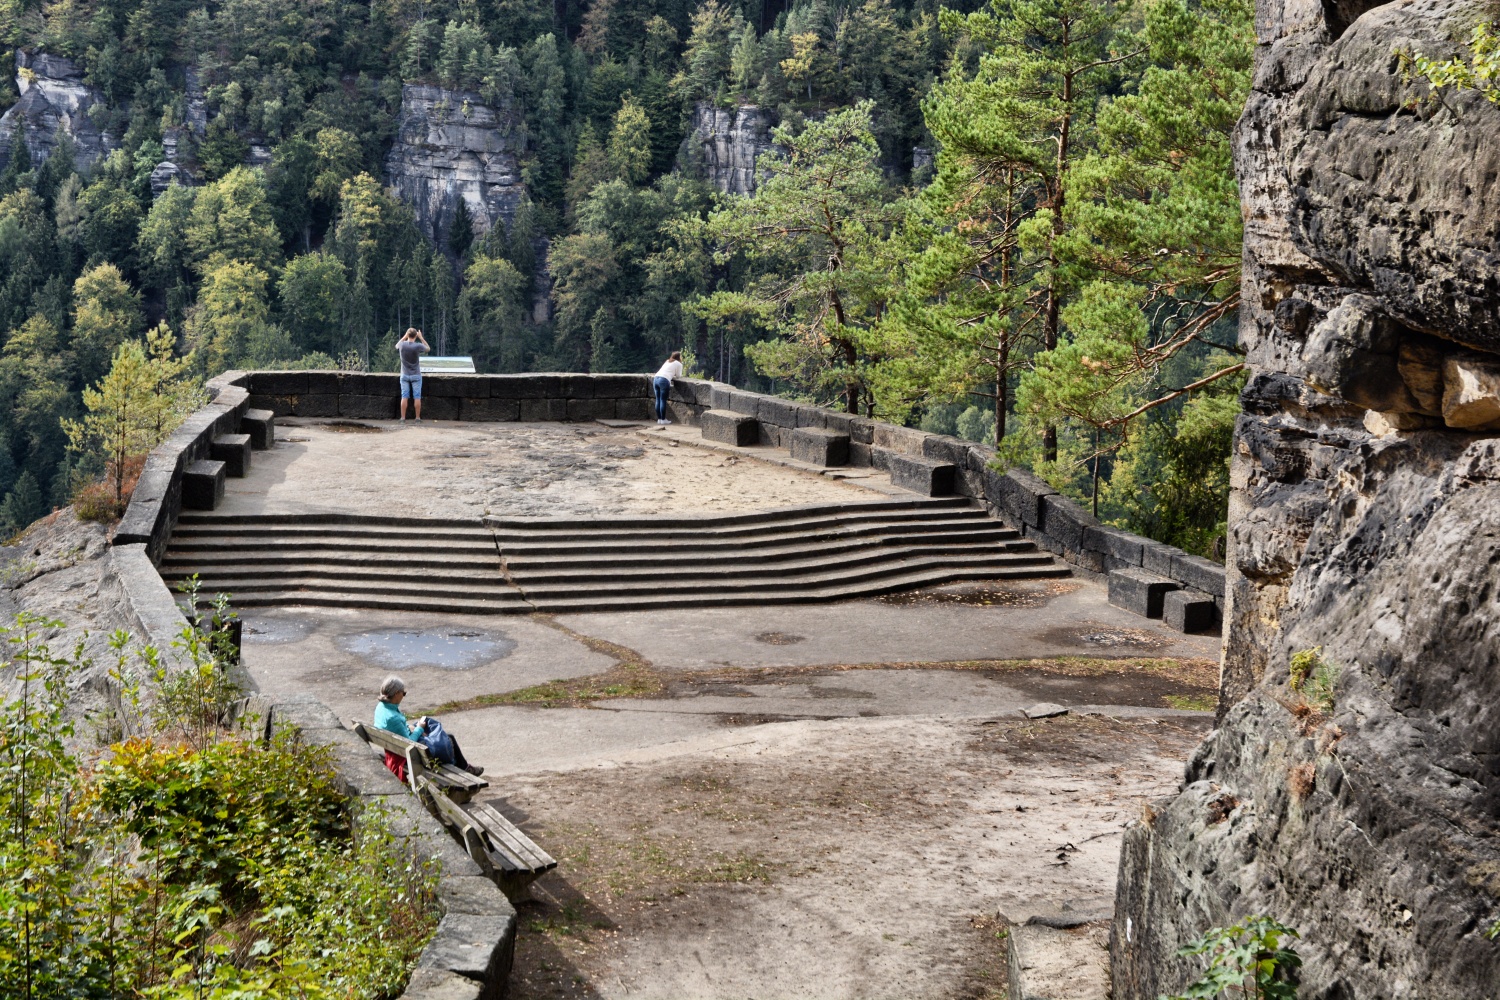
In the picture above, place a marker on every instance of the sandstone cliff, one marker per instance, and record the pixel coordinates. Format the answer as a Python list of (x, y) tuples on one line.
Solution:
[(451, 145), (54, 102), (724, 144), (1365, 521)]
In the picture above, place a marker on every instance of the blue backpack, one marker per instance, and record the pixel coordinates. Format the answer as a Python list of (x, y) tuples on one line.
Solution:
[(437, 741)]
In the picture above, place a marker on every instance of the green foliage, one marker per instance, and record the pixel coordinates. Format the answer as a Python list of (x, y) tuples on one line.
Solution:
[(1314, 678), (1480, 71), (173, 870), (1248, 959)]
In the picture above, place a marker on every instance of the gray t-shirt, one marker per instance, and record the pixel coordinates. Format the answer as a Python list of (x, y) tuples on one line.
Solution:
[(411, 356)]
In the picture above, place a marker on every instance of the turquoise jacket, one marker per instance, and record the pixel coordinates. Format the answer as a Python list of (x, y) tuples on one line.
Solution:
[(389, 718)]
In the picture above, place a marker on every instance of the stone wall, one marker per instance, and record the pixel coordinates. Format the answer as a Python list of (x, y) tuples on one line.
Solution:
[(1365, 521)]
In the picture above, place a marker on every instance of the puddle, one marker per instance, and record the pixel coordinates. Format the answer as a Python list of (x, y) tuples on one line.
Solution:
[(269, 631), (779, 638), (982, 596), (350, 427), (1103, 637), (447, 649)]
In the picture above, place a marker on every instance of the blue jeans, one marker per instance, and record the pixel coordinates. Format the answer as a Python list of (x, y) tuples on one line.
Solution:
[(663, 387), (411, 387)]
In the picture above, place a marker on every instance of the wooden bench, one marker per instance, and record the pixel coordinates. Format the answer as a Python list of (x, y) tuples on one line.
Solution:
[(457, 784), (497, 845)]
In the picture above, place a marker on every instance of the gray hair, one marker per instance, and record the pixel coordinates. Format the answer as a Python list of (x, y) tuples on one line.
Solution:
[(391, 687)]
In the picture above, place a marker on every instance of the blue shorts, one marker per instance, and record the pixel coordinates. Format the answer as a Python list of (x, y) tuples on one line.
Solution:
[(411, 387)]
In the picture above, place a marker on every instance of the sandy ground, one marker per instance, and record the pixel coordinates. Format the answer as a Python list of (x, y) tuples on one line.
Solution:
[(526, 470), (828, 801)]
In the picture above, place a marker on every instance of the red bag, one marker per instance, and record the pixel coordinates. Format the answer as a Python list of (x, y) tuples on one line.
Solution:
[(396, 764)]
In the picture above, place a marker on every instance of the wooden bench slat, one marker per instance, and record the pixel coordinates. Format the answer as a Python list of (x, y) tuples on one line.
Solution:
[(443, 773), (506, 833)]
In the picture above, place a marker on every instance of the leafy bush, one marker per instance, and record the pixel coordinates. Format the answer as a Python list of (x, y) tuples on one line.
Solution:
[(1247, 959), (172, 869)]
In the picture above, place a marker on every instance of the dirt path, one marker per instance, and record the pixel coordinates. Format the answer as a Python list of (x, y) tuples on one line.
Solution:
[(846, 858)]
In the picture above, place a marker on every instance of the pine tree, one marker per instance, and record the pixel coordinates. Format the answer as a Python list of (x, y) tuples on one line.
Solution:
[(122, 415), (23, 504), (461, 233)]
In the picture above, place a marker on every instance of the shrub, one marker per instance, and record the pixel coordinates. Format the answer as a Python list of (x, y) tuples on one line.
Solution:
[(1247, 959), (174, 869)]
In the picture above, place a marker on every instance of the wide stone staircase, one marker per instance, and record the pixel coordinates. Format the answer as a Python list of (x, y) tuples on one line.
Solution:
[(793, 555), (338, 560)]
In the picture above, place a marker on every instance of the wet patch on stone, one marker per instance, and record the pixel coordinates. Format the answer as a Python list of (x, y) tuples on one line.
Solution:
[(1094, 636), (351, 427), (982, 595), (447, 649), (780, 638), (269, 631)]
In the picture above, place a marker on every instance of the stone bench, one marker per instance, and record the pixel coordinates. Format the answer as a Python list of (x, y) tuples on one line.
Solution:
[(728, 427), (820, 447), (261, 426), (234, 451), (1189, 611), (456, 783), (926, 476), (202, 485), (1139, 592)]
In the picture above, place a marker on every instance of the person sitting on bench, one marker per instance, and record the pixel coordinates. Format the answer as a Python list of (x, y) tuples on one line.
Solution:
[(426, 730)]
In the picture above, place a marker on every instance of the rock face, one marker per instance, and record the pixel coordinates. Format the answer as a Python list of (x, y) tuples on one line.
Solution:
[(726, 142), (451, 145), (54, 102), (1365, 521)]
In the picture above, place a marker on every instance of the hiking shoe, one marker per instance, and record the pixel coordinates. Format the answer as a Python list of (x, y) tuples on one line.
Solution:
[(475, 770)]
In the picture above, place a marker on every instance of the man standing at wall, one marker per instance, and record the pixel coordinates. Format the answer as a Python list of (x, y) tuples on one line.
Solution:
[(411, 347)]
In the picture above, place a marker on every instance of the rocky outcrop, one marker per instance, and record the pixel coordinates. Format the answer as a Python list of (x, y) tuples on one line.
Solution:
[(724, 144), (451, 145), (54, 102), (1365, 522)]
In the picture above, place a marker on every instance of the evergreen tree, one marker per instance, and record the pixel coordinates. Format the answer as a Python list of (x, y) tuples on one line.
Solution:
[(23, 504), (461, 233)]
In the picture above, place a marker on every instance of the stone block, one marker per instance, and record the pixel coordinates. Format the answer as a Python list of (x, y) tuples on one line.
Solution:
[(619, 386), (816, 416), (487, 410), (1121, 546), (281, 406), (384, 384), (1139, 591), (440, 984), (1471, 393), (946, 449), (277, 383), (1020, 494), (261, 426), (839, 423), (321, 383), (1048, 963), (969, 483), (1157, 557), (880, 458), (454, 386), (1066, 521), (904, 440), (719, 396), (926, 476), (234, 451), (309, 405), (859, 454), (747, 403), (370, 407), (524, 386), (781, 412), (728, 427), (861, 430), (1198, 573), (437, 408), (820, 447), (202, 485), (352, 383), (591, 409), (1189, 611), (544, 409), (644, 408), (474, 946), (474, 895)]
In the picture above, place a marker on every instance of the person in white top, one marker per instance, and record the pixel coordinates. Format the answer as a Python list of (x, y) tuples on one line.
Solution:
[(662, 383)]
